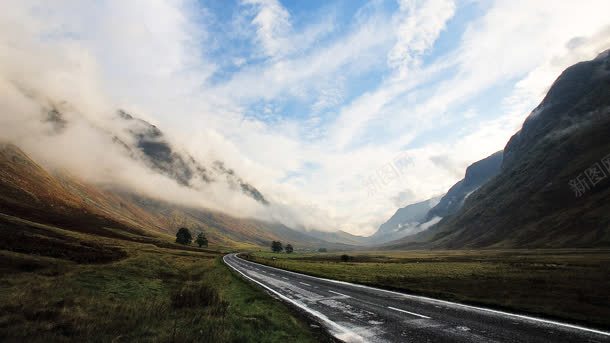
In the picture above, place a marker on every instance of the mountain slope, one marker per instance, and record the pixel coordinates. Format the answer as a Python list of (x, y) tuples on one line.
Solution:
[(534, 201), (30, 192), (339, 237), (477, 174), (227, 230)]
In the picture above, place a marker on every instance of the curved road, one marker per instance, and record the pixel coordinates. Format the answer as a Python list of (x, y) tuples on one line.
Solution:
[(356, 313)]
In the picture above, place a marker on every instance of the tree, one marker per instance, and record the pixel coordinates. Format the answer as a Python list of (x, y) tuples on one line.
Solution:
[(289, 248), (183, 236), (201, 240), (345, 258), (276, 246), (322, 250)]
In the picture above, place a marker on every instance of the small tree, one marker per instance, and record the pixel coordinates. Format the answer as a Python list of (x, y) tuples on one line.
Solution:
[(289, 249), (322, 250), (201, 240), (345, 258), (183, 236), (276, 246)]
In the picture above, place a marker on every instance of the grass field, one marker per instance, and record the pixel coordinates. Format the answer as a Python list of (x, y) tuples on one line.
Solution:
[(58, 285), (570, 285)]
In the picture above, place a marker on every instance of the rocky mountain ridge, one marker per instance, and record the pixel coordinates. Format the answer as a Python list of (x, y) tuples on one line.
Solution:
[(554, 183)]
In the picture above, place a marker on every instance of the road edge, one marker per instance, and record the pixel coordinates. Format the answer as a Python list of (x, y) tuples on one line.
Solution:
[(446, 302), (319, 320)]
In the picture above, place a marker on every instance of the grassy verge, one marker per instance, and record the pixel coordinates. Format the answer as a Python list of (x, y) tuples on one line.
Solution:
[(570, 285), (146, 293)]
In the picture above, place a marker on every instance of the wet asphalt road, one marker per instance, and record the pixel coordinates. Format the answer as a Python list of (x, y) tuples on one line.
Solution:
[(356, 313)]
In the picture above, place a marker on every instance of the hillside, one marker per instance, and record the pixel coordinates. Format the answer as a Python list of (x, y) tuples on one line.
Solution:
[(230, 231), (477, 174), (553, 186), (29, 192), (339, 237)]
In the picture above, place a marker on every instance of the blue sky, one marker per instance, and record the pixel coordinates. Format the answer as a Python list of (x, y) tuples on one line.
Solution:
[(312, 100), (240, 51)]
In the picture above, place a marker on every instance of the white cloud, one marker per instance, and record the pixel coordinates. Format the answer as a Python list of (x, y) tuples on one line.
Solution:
[(417, 25), (420, 23), (272, 22), (302, 74)]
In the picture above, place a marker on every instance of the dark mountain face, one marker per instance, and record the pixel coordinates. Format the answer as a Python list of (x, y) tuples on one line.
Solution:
[(56, 120), (158, 153), (575, 98), (554, 184), (477, 174), (235, 181)]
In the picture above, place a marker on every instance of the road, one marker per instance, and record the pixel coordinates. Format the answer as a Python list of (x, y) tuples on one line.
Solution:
[(356, 313)]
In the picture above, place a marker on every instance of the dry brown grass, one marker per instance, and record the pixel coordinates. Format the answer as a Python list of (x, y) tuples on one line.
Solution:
[(151, 293)]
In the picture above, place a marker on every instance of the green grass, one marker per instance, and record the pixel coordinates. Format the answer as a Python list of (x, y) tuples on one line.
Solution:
[(570, 285), (152, 294)]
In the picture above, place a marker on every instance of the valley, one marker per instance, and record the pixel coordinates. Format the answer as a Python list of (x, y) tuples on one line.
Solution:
[(305, 171)]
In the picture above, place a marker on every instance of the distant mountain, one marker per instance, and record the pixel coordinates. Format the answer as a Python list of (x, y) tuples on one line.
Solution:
[(554, 184), (405, 221), (29, 192), (230, 231), (477, 174), (423, 215), (339, 237)]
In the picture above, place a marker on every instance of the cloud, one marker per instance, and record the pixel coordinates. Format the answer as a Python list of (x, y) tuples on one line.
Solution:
[(303, 74), (272, 22), (420, 23), (416, 26), (43, 69)]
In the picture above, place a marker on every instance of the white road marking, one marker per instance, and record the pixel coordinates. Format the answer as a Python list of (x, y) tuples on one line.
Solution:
[(303, 283), (411, 313), (272, 274), (285, 278), (337, 330), (345, 295), (445, 302)]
